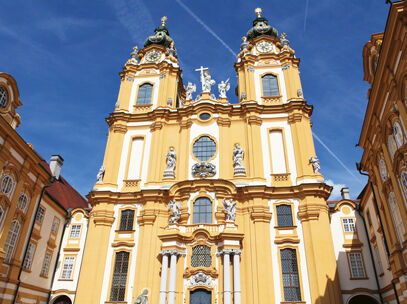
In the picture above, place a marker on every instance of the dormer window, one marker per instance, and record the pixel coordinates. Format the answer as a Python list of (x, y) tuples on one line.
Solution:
[(144, 94), (270, 85), (3, 97)]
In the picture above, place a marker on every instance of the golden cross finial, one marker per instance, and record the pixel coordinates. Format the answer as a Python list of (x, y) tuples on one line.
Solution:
[(283, 35), (163, 19), (258, 11)]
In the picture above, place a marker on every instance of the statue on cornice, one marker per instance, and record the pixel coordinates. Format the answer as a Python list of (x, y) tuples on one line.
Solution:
[(176, 211), (230, 210), (206, 79), (223, 87), (238, 155), (191, 88), (171, 159), (315, 164), (101, 174), (143, 298)]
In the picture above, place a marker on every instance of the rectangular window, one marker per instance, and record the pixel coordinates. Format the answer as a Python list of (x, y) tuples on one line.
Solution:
[(40, 214), (45, 265), (284, 216), (119, 276), (126, 220), (29, 256), (136, 155), (75, 231), (55, 226), (348, 225), (378, 260), (356, 265), (291, 281), (277, 152), (67, 268), (369, 219)]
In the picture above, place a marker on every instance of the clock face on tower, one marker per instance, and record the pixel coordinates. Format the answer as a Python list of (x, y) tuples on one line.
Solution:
[(153, 56), (265, 47)]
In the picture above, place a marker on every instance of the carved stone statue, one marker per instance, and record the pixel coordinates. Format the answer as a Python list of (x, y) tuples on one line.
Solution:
[(171, 159), (206, 79), (143, 298), (245, 44), (315, 164), (238, 155), (223, 87), (101, 174), (134, 55), (230, 210), (176, 211), (191, 88), (171, 50)]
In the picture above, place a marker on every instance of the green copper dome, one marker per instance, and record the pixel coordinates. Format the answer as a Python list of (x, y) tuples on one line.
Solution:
[(261, 27), (161, 37)]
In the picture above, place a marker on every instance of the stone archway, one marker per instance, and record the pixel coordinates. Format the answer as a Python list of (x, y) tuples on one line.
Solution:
[(62, 300), (362, 299)]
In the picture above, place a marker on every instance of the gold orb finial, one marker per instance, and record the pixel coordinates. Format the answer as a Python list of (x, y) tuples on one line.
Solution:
[(258, 11), (163, 19), (283, 35)]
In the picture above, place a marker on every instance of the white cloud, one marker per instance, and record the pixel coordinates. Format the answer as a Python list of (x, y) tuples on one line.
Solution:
[(336, 191)]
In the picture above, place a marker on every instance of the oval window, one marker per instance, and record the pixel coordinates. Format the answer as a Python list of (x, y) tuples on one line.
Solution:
[(204, 148), (3, 97), (204, 116)]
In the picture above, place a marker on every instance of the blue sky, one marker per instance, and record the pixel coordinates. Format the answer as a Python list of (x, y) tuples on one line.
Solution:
[(66, 56)]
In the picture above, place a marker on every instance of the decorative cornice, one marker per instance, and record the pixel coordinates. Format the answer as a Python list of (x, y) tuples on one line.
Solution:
[(224, 122), (118, 128), (229, 252), (102, 217), (172, 252), (294, 117), (254, 120)]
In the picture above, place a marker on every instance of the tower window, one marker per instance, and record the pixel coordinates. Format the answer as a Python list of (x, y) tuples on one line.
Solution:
[(397, 220), (144, 94), (291, 281), (29, 256), (201, 256), (75, 231), (3, 97), (22, 202), (284, 216), (40, 214), (204, 148), (126, 220), (119, 276), (11, 240), (202, 211), (356, 265), (6, 184), (270, 85), (398, 134)]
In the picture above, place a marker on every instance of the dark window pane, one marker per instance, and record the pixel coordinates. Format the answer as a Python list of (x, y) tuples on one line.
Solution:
[(119, 276), (201, 256), (284, 216), (204, 148), (126, 220), (144, 94), (202, 211), (270, 85), (289, 268)]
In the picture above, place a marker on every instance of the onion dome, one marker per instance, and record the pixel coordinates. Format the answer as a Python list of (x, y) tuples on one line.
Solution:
[(261, 27), (161, 37)]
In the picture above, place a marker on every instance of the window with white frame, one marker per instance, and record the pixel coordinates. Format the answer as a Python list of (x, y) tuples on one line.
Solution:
[(45, 264), (55, 225), (119, 280), (289, 269), (395, 212), (356, 266), (11, 240), (75, 231), (40, 214), (348, 224), (67, 268), (270, 85), (398, 134), (7, 184), (144, 94), (22, 202), (29, 256)]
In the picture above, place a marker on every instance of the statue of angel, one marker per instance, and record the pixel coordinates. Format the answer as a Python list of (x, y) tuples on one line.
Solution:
[(176, 211), (223, 87), (101, 174), (315, 164), (238, 154), (191, 88), (230, 210)]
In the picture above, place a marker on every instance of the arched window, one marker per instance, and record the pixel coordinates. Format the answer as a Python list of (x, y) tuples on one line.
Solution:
[(391, 145), (126, 220), (204, 148), (201, 256), (7, 184), (398, 134), (202, 211), (383, 169), (395, 212), (404, 182), (11, 240), (284, 216), (200, 296), (289, 269), (270, 85), (22, 202), (144, 94)]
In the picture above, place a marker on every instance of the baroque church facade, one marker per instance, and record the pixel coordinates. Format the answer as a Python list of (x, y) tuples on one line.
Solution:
[(200, 200)]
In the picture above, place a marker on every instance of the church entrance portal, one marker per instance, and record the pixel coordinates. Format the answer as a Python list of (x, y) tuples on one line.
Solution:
[(63, 300), (200, 296), (362, 299)]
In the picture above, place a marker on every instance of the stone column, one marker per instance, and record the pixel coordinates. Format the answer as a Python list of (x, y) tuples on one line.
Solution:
[(173, 272), (164, 274), (226, 277), (236, 277)]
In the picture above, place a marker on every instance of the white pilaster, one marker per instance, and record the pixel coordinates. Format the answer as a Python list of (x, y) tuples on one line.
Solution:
[(164, 274), (226, 277), (236, 277), (173, 272)]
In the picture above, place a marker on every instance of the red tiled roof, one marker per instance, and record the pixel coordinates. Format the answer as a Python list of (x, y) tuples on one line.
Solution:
[(62, 192)]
